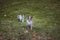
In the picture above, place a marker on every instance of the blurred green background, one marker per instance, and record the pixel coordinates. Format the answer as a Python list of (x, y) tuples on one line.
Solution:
[(46, 18)]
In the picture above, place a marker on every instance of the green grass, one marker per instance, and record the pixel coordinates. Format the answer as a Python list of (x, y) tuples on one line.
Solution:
[(45, 14)]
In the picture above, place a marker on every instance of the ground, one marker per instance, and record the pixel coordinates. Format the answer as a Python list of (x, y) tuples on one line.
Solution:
[(45, 14)]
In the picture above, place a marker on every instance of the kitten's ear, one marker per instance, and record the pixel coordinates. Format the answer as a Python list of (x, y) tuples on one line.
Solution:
[(32, 17)]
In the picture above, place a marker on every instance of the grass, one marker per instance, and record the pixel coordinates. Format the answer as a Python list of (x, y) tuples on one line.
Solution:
[(45, 17)]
